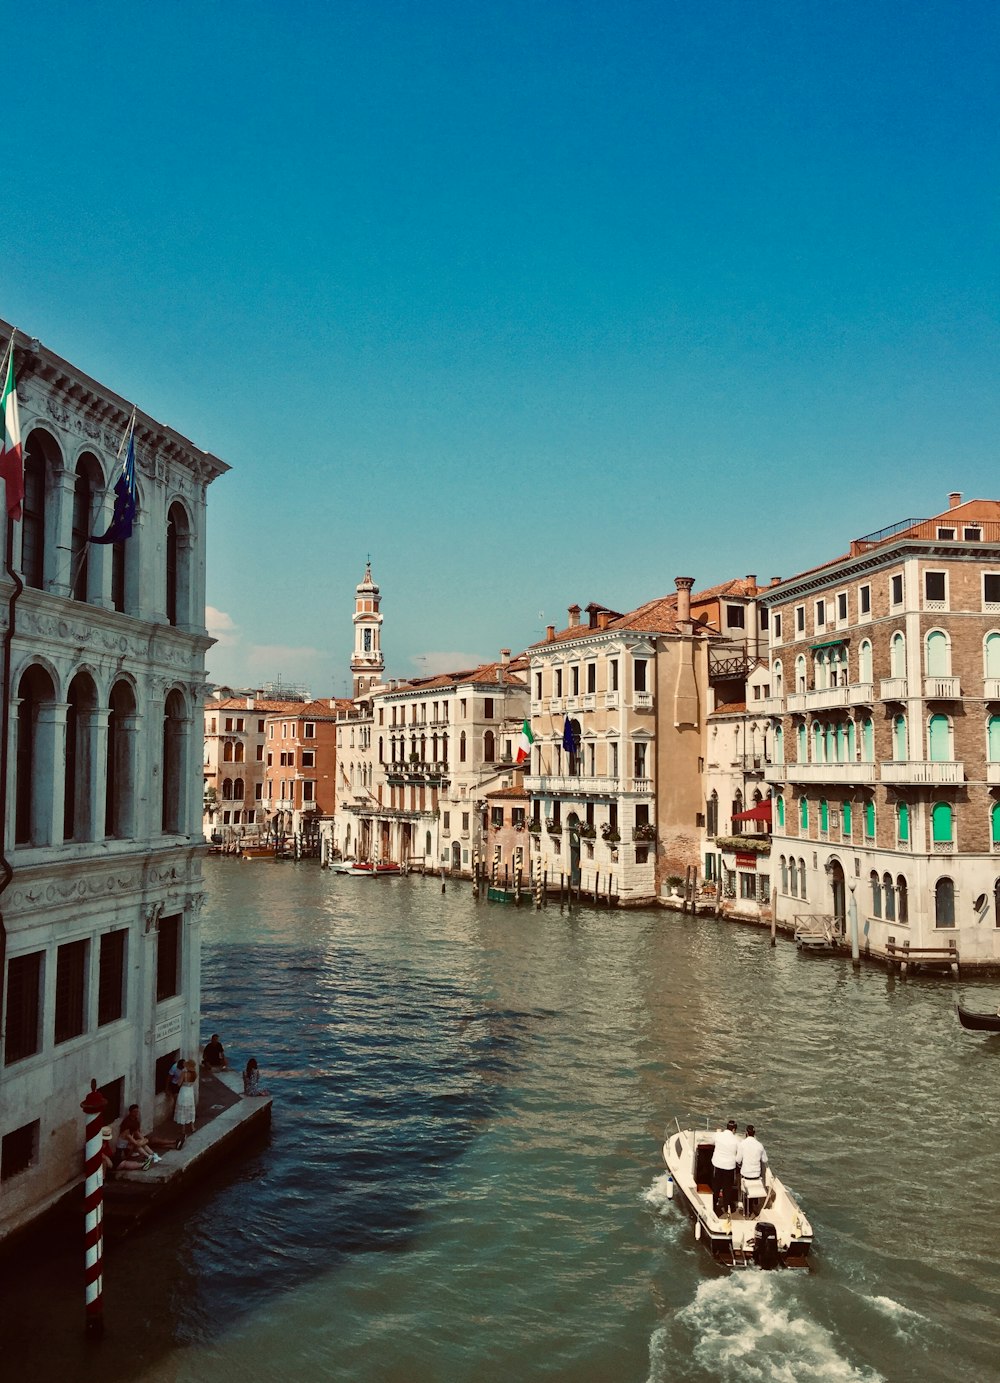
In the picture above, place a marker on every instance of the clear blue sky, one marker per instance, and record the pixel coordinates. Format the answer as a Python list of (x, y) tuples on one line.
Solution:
[(535, 302)]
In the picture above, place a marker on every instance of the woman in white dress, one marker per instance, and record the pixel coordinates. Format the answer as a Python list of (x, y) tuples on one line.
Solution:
[(184, 1108)]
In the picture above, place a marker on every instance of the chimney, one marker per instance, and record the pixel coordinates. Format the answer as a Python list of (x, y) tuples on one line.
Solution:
[(752, 583), (602, 619), (683, 584), (775, 580), (550, 633), (574, 616), (954, 499), (504, 657)]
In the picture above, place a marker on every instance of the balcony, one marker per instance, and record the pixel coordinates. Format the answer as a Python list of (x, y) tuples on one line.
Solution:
[(612, 700), (893, 689), (796, 701), (942, 689), (861, 694), (921, 772), (769, 706), (991, 688), (821, 773), (993, 775), (575, 785), (753, 763), (643, 700), (825, 698), (588, 701)]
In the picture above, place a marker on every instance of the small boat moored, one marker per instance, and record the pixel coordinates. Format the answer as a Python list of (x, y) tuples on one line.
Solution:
[(767, 1229), (366, 869), (978, 1022)]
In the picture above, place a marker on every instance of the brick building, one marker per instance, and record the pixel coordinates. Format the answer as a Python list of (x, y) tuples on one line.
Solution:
[(885, 682)]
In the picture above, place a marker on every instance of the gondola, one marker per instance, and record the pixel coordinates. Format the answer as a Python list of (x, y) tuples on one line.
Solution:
[(978, 1022)]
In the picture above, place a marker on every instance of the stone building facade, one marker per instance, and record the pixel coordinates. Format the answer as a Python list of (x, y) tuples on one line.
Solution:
[(102, 842)]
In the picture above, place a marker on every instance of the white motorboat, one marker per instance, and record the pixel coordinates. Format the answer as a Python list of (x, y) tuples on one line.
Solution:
[(767, 1228)]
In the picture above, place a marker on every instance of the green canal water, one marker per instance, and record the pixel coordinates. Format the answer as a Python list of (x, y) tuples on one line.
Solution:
[(464, 1182)]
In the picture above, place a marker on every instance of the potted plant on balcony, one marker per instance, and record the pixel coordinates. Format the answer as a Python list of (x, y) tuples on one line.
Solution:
[(535, 826), (586, 830), (610, 833), (645, 831), (553, 825)]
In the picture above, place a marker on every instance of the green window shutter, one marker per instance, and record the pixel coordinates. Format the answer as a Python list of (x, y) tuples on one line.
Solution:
[(995, 823), (941, 822), (781, 811), (824, 815), (846, 817), (804, 814), (870, 820), (904, 822)]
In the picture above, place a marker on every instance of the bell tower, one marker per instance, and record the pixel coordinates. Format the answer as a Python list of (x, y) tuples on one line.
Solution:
[(367, 664)]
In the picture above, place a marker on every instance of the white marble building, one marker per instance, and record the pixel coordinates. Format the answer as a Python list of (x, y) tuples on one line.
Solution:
[(101, 732)]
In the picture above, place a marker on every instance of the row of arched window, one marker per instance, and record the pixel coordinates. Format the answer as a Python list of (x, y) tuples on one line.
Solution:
[(942, 819), (846, 741), (107, 576), (73, 782), (792, 872), (830, 665)]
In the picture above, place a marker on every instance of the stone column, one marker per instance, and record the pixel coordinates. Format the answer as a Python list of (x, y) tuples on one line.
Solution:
[(60, 579)]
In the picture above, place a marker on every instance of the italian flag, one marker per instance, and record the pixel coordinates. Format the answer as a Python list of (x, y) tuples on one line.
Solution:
[(524, 744), (11, 464)]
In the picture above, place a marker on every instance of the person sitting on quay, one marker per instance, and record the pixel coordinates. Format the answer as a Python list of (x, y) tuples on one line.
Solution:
[(213, 1058), (133, 1142), (113, 1159), (251, 1079)]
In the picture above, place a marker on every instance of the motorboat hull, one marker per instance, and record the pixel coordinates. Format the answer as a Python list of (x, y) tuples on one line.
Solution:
[(768, 1230)]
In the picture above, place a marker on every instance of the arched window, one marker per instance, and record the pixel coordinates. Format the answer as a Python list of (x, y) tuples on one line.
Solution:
[(239, 752), (779, 745), (178, 572), (803, 814), (944, 903), (902, 902), (870, 819), (461, 747), (41, 455), (991, 655), (993, 739), (937, 654), (851, 742), (817, 742), (820, 670), (381, 748), (830, 745), (939, 739), (899, 751), (867, 741), (876, 887), (995, 823), (800, 737), (903, 824), (777, 685), (802, 878), (941, 823), (800, 673), (865, 661), (845, 817), (174, 808), (793, 878), (489, 747), (842, 742), (889, 897), (897, 656), (36, 756), (119, 797), (781, 812), (227, 789), (81, 749), (86, 503), (238, 790), (783, 866), (227, 752), (427, 843), (824, 815)]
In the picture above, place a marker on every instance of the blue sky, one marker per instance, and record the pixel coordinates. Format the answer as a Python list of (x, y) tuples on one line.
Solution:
[(535, 303)]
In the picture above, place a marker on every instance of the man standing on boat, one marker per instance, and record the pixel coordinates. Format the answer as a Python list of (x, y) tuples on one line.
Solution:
[(751, 1157), (724, 1159)]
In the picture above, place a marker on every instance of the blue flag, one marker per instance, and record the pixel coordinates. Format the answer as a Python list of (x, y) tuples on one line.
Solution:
[(569, 741), (123, 517)]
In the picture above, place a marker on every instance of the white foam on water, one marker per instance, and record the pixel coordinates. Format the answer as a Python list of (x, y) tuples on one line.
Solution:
[(744, 1327), (657, 1196), (902, 1317)]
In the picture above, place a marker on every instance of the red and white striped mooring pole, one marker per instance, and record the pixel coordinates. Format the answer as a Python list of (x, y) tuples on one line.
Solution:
[(93, 1209)]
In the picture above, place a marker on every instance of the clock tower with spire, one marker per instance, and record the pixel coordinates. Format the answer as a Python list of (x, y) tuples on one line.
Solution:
[(367, 664)]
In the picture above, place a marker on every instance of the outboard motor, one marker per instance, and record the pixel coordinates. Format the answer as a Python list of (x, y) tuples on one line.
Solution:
[(765, 1246)]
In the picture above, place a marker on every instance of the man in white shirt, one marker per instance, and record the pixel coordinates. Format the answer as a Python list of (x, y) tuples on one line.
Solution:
[(751, 1157), (724, 1157)]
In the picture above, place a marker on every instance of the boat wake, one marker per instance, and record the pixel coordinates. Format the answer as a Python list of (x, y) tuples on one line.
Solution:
[(748, 1327)]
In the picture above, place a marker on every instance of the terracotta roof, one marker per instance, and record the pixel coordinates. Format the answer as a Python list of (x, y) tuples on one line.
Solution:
[(731, 708), (485, 673), (520, 793), (242, 703), (660, 615)]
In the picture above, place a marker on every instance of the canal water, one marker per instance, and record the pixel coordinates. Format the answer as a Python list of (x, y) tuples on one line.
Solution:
[(464, 1181)]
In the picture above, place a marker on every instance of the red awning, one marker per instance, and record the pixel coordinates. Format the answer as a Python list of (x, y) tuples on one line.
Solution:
[(762, 812)]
